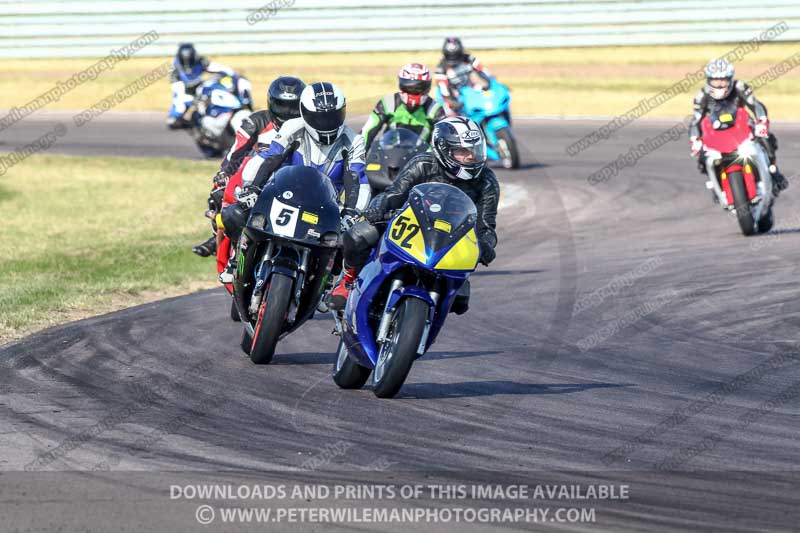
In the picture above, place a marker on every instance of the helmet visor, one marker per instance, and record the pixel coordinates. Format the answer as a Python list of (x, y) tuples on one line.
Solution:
[(187, 59), (415, 86), (720, 83), (326, 121), (284, 109), (469, 155)]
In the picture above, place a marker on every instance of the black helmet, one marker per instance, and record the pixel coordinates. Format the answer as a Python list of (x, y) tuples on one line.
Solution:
[(452, 49), (460, 147), (283, 99), (186, 58), (322, 107)]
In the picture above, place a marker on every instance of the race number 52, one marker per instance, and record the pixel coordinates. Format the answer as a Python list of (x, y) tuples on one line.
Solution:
[(403, 232)]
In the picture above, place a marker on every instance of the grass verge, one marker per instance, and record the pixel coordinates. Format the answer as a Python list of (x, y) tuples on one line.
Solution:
[(93, 234), (574, 81)]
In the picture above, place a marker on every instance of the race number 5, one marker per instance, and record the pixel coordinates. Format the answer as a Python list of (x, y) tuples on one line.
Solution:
[(283, 218)]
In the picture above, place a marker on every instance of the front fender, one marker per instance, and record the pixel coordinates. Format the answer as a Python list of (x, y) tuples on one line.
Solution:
[(493, 125), (411, 291)]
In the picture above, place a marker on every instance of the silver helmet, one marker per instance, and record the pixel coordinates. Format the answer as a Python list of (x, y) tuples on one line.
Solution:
[(719, 78)]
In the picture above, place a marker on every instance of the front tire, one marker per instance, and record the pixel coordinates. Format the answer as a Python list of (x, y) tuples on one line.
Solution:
[(507, 148), (399, 350), (271, 314), (346, 372), (741, 203)]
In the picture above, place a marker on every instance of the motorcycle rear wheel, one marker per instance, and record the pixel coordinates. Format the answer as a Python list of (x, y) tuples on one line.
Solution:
[(234, 311), (766, 222), (348, 374)]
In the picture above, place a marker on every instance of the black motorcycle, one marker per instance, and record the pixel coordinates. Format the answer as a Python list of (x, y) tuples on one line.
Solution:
[(389, 154), (286, 254)]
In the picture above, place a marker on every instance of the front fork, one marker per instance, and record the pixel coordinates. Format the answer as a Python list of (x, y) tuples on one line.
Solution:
[(760, 161), (388, 311), (713, 181)]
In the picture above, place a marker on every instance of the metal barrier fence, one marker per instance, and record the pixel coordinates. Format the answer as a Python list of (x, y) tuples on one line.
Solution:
[(61, 28)]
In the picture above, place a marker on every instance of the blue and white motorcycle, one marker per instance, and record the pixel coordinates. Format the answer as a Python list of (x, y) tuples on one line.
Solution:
[(488, 102), (219, 111), (402, 296)]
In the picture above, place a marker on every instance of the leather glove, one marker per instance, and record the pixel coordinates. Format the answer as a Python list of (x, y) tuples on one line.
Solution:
[(220, 179), (696, 145), (374, 215), (248, 196), (487, 253), (762, 129)]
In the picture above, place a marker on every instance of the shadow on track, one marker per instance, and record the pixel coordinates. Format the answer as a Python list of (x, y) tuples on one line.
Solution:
[(327, 358), (482, 273), (778, 232), (491, 388)]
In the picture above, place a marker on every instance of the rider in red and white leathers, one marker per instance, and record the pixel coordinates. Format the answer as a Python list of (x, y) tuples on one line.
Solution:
[(255, 133)]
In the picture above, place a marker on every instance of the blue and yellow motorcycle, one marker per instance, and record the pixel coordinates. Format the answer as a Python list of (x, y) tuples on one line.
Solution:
[(402, 296)]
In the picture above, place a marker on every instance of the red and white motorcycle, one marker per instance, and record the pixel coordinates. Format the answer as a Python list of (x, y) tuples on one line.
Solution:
[(740, 168)]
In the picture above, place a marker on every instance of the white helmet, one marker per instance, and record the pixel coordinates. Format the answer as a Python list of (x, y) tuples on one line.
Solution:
[(322, 108), (719, 78)]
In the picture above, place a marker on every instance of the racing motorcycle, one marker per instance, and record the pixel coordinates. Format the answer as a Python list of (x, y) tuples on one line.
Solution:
[(390, 154), (285, 256), (402, 296), (488, 102), (740, 168), (218, 112)]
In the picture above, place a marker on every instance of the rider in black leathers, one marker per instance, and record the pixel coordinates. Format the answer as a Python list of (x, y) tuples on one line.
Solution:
[(452, 139)]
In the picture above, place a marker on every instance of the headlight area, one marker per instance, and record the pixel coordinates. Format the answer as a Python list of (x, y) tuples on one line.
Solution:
[(747, 150), (330, 238), (258, 221)]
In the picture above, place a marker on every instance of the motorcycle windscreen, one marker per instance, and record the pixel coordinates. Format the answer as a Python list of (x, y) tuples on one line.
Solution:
[(394, 149), (298, 203), (402, 138), (437, 228)]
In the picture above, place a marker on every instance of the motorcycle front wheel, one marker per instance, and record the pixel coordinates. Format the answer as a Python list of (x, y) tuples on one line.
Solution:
[(271, 314), (741, 203), (399, 350), (507, 147)]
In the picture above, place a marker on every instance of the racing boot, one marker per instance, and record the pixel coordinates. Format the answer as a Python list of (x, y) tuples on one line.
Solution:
[(779, 181), (226, 276), (206, 248), (339, 295)]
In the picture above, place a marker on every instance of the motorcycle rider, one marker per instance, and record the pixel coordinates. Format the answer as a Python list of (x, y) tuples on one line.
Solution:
[(258, 130), (186, 77), (458, 158), (318, 139), (410, 108), (453, 71), (722, 90)]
